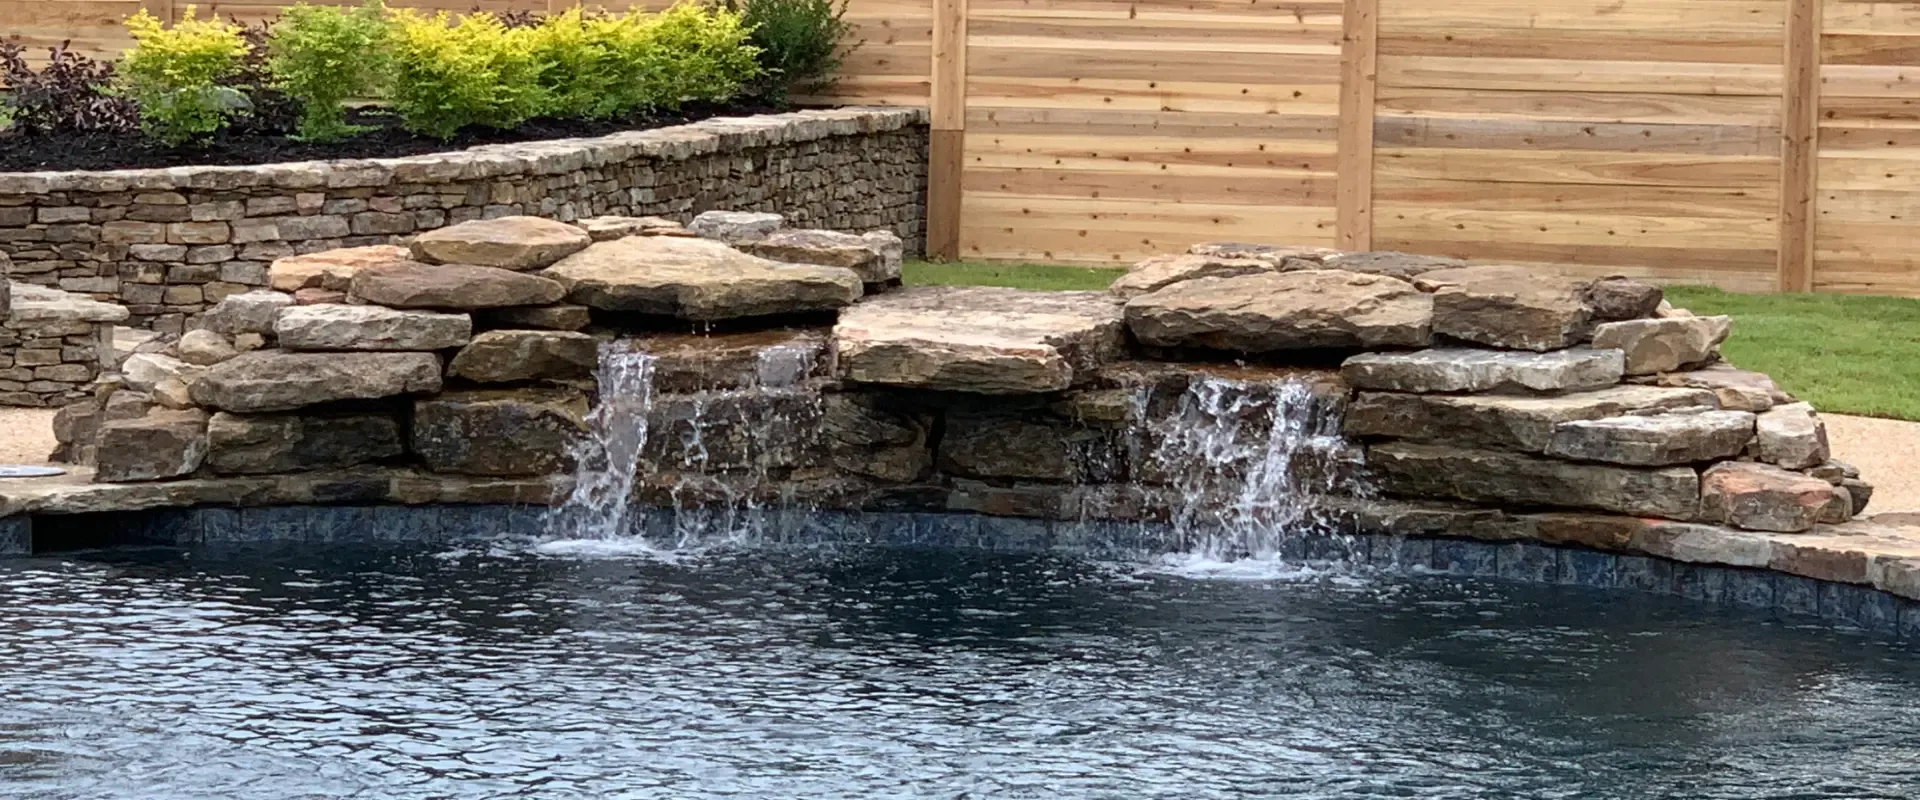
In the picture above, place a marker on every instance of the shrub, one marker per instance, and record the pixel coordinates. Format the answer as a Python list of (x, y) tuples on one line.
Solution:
[(322, 56), (477, 72), (799, 42), (175, 75), (272, 111), (72, 94), (703, 54)]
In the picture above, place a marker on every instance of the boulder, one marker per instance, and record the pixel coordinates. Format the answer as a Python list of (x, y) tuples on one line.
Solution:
[(331, 270), (867, 435), (452, 287), (247, 312), (260, 444), (1791, 436), (1654, 440), (1270, 312), (499, 432), (601, 229), (1616, 298), (1465, 370), (893, 252), (204, 348), (547, 318), (1860, 492), (275, 380), (1390, 263), (1440, 472), (156, 447), (339, 327), (1510, 307), (76, 432), (1663, 345), (1736, 389), (734, 227), (509, 356), (124, 405), (172, 393), (1762, 497), (1024, 446), (980, 339), (1503, 422), (143, 371), (515, 243), (698, 280), (875, 260), (1158, 272), (1838, 509)]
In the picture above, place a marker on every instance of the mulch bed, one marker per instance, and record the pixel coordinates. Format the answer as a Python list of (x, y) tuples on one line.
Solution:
[(386, 139)]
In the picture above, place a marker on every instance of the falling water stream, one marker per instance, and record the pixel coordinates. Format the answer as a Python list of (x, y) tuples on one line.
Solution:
[(607, 458)]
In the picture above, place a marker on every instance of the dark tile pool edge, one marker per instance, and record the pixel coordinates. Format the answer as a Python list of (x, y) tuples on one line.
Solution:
[(1856, 606)]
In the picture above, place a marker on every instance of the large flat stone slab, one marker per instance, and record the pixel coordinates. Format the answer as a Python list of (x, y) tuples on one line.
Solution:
[(980, 339), (1503, 422), (452, 287), (1511, 307), (277, 380), (1654, 440), (156, 447), (1158, 272), (1763, 497), (515, 243), (875, 257), (1270, 312), (499, 432), (263, 444), (1664, 345), (1440, 472), (511, 356), (331, 269), (699, 280), (1468, 370), (698, 362), (343, 327)]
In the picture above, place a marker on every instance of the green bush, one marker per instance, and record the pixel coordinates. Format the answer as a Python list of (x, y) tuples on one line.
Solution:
[(799, 42), (175, 76), (323, 56), (704, 54), (596, 67), (448, 75)]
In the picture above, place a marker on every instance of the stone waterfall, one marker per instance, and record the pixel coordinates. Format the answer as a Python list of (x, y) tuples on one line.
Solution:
[(607, 457)]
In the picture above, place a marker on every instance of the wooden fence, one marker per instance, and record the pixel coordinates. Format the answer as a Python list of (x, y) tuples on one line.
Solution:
[(1753, 144)]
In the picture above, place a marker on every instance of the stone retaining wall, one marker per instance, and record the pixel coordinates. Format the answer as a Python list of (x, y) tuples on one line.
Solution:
[(169, 243), (52, 344), (1226, 400)]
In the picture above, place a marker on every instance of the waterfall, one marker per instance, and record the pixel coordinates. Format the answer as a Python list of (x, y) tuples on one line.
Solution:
[(1247, 463), (607, 458), (727, 488)]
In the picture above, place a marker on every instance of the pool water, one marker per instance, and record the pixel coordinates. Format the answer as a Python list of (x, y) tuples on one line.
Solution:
[(871, 673)]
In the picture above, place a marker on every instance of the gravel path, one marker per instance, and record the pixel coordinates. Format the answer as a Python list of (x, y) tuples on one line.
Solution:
[(1887, 452), (26, 435)]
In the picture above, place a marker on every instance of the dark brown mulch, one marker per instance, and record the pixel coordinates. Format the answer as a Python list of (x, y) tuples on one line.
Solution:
[(128, 151)]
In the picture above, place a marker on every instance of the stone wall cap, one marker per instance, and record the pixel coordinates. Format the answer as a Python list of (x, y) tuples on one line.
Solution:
[(546, 157)]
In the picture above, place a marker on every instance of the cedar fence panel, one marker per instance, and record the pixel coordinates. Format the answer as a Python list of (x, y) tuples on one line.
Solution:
[(1751, 144)]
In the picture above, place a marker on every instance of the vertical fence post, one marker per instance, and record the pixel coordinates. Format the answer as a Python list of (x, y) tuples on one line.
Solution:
[(1799, 151), (1353, 192), (947, 101)]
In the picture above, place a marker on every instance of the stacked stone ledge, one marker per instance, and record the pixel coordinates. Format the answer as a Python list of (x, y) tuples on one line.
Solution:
[(53, 344), (168, 244), (1485, 401)]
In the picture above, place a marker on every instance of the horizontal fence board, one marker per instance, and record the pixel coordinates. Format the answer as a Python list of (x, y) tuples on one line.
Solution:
[(1719, 16), (1742, 270), (1575, 166), (1754, 47), (1580, 106), (1730, 140), (1561, 75), (1581, 228), (1737, 203), (1311, 190)]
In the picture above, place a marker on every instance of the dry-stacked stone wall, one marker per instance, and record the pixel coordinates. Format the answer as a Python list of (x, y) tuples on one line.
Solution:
[(170, 243), (1474, 419), (53, 344)]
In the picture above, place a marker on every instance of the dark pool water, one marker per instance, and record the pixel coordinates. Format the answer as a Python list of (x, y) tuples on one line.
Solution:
[(871, 674)]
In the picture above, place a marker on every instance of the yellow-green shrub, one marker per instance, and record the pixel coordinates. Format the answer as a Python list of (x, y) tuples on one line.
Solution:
[(594, 67), (174, 75), (321, 56), (703, 53), (448, 75)]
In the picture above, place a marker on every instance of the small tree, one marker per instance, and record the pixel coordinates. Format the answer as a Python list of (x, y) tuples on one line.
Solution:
[(322, 57)]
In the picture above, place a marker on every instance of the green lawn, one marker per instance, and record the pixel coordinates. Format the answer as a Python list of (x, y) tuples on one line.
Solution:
[(1845, 354)]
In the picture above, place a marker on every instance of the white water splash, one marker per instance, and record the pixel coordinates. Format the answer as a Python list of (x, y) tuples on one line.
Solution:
[(608, 456), (776, 412), (1248, 463)]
